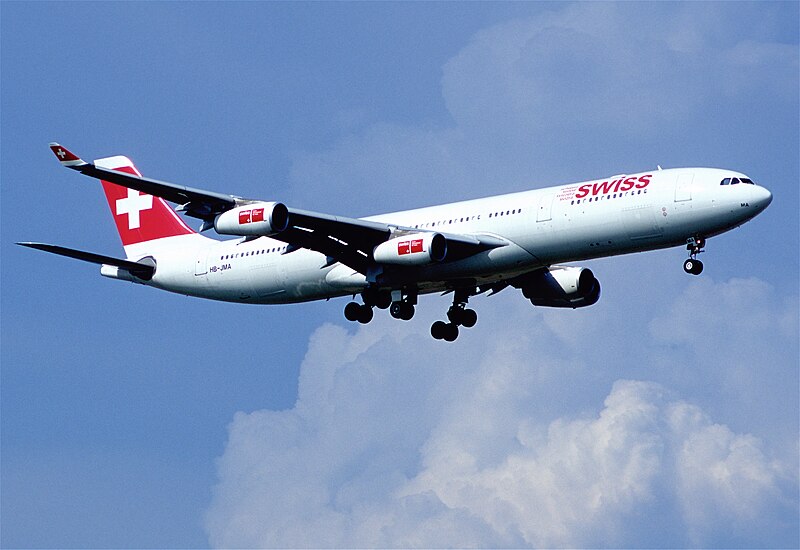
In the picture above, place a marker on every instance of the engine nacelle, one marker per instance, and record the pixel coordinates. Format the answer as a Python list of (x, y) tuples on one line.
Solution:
[(257, 219), (562, 287), (415, 249)]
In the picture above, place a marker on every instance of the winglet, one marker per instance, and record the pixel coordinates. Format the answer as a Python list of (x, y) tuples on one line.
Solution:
[(65, 156)]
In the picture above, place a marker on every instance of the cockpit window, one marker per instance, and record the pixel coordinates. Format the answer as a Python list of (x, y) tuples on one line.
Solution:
[(734, 181)]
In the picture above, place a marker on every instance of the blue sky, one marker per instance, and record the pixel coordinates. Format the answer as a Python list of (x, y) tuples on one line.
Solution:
[(665, 415)]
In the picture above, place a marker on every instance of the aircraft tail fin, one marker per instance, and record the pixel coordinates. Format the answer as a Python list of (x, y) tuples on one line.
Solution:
[(144, 222), (139, 217)]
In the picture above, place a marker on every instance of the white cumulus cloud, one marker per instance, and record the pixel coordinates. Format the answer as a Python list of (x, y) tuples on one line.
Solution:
[(398, 440)]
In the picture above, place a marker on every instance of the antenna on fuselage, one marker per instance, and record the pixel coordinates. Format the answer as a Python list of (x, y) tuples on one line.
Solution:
[(659, 167)]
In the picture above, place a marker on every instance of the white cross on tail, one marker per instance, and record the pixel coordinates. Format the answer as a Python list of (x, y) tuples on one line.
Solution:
[(132, 205)]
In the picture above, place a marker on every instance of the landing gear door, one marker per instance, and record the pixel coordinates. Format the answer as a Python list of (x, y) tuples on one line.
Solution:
[(683, 187)]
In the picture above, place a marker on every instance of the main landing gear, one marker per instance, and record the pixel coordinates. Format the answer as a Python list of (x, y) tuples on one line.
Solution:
[(458, 315), (402, 305), (358, 312), (695, 246), (363, 312)]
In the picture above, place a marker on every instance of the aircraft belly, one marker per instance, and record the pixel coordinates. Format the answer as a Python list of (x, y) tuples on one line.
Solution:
[(267, 279), (305, 278), (511, 258)]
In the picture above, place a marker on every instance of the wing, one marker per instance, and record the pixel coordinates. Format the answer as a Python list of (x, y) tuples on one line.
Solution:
[(197, 203), (350, 241)]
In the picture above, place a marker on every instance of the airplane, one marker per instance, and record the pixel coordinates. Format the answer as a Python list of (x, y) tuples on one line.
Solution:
[(520, 240)]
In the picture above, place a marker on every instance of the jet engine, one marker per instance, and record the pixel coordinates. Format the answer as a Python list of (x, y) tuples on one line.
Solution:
[(414, 249), (561, 287), (256, 219)]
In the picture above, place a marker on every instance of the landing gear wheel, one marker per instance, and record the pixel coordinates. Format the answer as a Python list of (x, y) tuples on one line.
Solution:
[(407, 312), (438, 330), (352, 311), (458, 315), (469, 318), (695, 267), (378, 298), (402, 310), (451, 332), (365, 314), (383, 300)]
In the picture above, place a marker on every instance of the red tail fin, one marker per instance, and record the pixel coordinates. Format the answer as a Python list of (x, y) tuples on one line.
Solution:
[(139, 217)]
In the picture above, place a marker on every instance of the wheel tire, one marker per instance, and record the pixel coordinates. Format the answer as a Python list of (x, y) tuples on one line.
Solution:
[(406, 311), (395, 310), (438, 330), (451, 332), (365, 314), (698, 267), (469, 318), (454, 315), (688, 266), (383, 300), (352, 311)]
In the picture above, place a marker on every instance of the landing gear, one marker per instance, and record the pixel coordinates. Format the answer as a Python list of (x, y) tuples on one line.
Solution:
[(358, 312), (402, 306), (402, 310), (694, 267), (695, 246), (444, 331), (458, 315), (376, 297), (363, 313)]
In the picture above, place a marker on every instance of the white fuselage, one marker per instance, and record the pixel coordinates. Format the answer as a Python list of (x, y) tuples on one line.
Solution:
[(542, 227)]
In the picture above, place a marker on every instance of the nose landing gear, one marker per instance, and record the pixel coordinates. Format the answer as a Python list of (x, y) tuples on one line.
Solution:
[(458, 315), (695, 246)]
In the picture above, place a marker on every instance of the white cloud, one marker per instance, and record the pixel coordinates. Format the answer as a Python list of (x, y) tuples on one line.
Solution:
[(739, 340), (609, 66), (398, 440)]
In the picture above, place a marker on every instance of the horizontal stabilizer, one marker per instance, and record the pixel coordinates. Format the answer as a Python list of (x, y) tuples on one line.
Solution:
[(140, 270)]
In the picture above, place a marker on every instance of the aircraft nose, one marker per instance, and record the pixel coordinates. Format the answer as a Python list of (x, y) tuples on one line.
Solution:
[(761, 197)]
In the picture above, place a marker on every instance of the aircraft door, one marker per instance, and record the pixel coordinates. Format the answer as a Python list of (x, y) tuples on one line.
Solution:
[(201, 264), (544, 210), (683, 187)]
